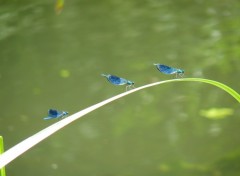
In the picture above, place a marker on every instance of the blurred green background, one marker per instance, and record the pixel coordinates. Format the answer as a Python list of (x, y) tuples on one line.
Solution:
[(54, 60)]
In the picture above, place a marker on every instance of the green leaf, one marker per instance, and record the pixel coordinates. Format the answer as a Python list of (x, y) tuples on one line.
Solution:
[(2, 171), (28, 143)]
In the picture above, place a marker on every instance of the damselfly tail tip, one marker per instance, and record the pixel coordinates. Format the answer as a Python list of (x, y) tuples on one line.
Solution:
[(104, 75)]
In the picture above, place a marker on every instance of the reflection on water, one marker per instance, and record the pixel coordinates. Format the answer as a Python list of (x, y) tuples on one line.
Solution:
[(55, 61), (217, 113)]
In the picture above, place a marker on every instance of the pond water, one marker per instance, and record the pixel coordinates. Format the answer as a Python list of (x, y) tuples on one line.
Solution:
[(55, 60)]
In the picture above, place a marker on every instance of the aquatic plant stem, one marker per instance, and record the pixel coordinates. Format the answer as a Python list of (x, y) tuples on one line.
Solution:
[(2, 170), (28, 143)]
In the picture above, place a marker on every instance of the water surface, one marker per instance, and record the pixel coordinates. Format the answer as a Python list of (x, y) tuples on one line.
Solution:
[(55, 61)]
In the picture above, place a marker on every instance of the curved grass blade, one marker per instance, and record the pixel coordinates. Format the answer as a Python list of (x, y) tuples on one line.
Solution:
[(28, 143), (214, 83)]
